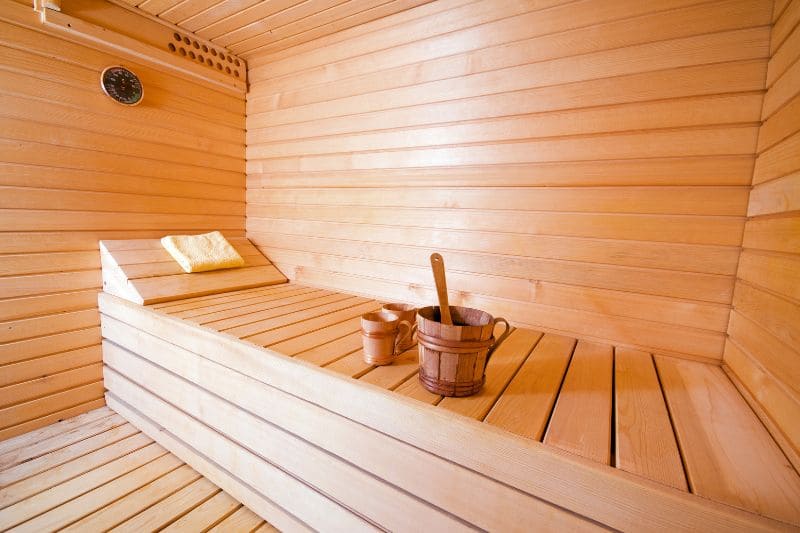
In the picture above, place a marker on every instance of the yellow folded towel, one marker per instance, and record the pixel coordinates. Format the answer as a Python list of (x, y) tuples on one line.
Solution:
[(199, 253)]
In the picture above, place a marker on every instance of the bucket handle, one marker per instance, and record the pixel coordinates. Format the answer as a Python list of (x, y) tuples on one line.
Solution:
[(500, 339), (405, 337)]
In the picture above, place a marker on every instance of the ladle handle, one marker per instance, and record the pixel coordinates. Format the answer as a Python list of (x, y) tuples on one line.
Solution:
[(437, 265)]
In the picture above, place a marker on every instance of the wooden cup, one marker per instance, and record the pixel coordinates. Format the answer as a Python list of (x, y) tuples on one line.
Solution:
[(380, 334), (407, 312)]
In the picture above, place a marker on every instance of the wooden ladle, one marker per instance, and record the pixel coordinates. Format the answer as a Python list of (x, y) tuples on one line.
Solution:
[(437, 265)]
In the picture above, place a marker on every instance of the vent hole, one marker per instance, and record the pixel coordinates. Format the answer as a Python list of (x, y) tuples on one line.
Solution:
[(205, 48), (177, 36), (171, 47), (182, 51)]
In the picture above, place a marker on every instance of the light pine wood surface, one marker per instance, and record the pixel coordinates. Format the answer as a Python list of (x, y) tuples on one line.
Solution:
[(142, 271), (97, 472), (763, 345), (78, 168), (584, 170), (291, 440), (581, 419), (583, 167), (645, 440), (268, 26), (611, 407)]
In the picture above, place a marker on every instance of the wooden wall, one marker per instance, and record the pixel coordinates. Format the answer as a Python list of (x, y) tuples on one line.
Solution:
[(583, 166), (763, 349), (76, 167)]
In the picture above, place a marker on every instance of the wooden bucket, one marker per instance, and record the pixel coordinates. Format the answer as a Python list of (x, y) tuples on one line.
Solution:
[(452, 359)]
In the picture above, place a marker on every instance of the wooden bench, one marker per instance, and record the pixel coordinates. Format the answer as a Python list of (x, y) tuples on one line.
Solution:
[(264, 391)]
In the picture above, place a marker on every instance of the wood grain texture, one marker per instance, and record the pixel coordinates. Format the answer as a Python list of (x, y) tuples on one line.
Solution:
[(142, 271), (526, 405), (249, 27), (763, 349), (158, 362), (79, 453), (76, 168), (503, 365), (581, 419), (710, 415), (645, 440), (555, 153)]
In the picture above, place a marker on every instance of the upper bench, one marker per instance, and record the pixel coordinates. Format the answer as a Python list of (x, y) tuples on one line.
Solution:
[(143, 272)]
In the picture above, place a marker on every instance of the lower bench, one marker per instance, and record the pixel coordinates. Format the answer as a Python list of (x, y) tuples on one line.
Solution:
[(309, 449)]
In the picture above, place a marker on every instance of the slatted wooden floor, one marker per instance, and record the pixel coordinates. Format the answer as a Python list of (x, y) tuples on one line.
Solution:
[(96, 472), (678, 422)]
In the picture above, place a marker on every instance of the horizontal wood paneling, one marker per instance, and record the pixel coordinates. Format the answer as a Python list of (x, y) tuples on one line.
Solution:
[(75, 167), (763, 348), (583, 166)]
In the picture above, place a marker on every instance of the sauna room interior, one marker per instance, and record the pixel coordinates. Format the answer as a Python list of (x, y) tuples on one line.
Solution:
[(619, 180)]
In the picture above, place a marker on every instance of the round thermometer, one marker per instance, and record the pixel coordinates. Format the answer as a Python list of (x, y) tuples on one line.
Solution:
[(122, 85)]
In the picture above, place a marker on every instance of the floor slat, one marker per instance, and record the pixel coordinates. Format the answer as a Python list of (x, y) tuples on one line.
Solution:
[(206, 515), (77, 508), (44, 501), (170, 509), (71, 470), (49, 438), (137, 501), (59, 457), (97, 472), (243, 520)]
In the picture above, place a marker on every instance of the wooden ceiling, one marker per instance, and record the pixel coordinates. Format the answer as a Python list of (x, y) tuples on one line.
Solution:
[(252, 27)]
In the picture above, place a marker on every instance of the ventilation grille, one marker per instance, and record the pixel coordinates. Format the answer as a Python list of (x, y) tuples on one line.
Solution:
[(211, 56)]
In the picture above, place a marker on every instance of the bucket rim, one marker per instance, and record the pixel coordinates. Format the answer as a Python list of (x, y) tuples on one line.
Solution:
[(486, 318)]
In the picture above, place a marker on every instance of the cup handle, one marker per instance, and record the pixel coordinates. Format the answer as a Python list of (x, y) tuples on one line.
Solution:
[(500, 339), (402, 338)]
